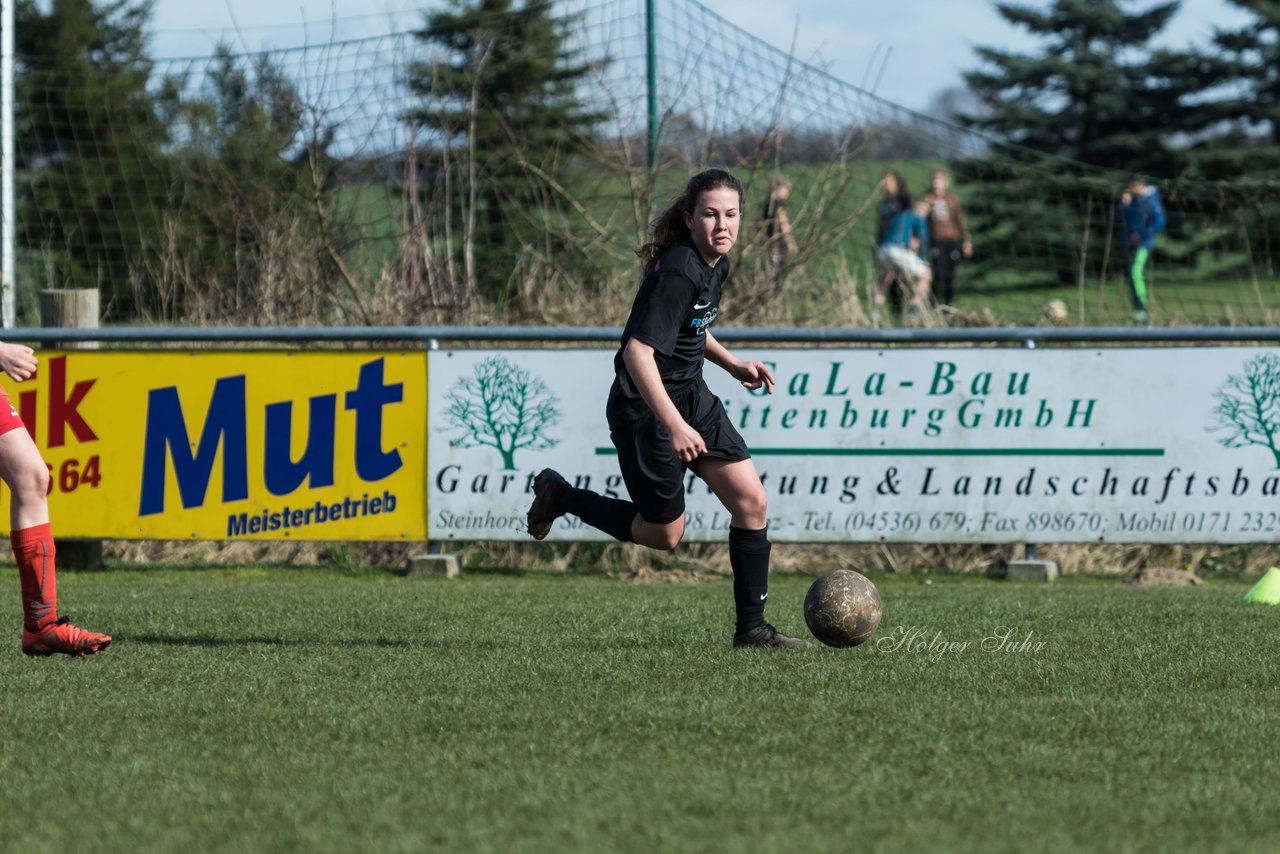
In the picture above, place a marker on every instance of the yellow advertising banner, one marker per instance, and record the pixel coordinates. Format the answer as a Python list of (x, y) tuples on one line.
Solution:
[(230, 445)]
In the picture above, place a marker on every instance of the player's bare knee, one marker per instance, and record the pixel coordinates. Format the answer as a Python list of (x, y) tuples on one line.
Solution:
[(31, 481), (670, 536), (752, 507), (666, 537), (660, 537), (668, 541)]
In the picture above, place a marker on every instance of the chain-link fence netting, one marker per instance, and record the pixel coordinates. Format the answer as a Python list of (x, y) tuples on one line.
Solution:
[(387, 180)]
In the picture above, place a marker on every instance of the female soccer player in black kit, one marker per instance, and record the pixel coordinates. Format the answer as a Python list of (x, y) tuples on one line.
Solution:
[(662, 417)]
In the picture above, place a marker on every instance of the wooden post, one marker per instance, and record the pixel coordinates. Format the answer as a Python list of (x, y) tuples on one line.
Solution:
[(73, 309), (70, 309)]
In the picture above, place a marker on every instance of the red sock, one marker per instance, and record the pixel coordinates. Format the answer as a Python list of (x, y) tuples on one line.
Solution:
[(33, 548)]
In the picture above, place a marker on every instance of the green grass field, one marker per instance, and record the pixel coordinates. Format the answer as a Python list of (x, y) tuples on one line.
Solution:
[(276, 709)]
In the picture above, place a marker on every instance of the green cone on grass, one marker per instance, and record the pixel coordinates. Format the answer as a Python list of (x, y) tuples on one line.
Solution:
[(1267, 590)]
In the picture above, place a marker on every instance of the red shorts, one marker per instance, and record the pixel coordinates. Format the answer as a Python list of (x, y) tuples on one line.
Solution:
[(9, 419)]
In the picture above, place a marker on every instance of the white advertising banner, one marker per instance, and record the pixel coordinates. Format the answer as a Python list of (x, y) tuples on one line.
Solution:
[(956, 445)]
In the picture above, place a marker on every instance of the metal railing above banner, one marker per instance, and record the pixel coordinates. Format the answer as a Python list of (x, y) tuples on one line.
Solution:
[(434, 335)]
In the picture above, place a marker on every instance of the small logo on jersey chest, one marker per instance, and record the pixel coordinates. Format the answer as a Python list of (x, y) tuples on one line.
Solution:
[(701, 323)]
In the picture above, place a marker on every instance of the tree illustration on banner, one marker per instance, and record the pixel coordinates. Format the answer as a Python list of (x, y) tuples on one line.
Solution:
[(1249, 406), (503, 407)]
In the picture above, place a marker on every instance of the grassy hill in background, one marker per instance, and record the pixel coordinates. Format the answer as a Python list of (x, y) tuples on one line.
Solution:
[(833, 211)]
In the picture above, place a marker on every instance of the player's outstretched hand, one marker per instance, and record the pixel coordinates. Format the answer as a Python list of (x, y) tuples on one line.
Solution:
[(752, 375), (18, 361)]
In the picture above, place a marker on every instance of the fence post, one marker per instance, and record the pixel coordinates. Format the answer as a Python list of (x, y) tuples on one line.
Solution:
[(73, 309), (1031, 568), (70, 309)]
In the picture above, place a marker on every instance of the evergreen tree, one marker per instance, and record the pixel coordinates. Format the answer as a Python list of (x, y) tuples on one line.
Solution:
[(1233, 163), (1089, 106), (1250, 150), (502, 104), (88, 141), (1089, 94), (1251, 55)]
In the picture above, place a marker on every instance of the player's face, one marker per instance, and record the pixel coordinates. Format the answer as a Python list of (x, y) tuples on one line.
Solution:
[(714, 223)]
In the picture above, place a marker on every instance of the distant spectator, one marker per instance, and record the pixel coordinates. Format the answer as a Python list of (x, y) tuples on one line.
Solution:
[(779, 241), (896, 200), (1143, 215), (901, 260), (948, 235)]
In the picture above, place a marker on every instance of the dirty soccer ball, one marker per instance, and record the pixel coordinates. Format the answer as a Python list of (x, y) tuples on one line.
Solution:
[(842, 608)]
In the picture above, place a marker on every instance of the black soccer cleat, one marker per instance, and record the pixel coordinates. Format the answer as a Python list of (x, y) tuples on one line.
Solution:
[(543, 511), (765, 635)]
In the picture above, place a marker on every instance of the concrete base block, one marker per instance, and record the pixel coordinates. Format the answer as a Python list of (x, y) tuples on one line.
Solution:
[(428, 564), (1031, 570), (80, 555)]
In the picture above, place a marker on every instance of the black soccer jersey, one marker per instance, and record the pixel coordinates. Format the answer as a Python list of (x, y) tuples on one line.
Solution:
[(678, 300)]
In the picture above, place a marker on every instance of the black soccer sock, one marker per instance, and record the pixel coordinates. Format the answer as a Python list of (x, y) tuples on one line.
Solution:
[(749, 557), (611, 515)]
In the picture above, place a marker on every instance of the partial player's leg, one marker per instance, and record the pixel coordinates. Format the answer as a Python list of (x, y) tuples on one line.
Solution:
[(553, 497), (654, 516), (24, 471), (738, 486)]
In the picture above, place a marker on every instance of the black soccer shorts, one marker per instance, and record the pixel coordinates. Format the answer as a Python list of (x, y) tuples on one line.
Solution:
[(654, 475)]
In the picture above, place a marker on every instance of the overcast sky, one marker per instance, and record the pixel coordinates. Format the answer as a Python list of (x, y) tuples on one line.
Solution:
[(928, 43)]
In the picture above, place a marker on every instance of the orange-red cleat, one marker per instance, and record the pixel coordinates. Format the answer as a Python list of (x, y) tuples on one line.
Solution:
[(62, 637)]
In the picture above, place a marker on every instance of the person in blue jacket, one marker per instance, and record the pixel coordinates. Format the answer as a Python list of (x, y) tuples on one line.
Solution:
[(1143, 216), (896, 199), (903, 248)]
